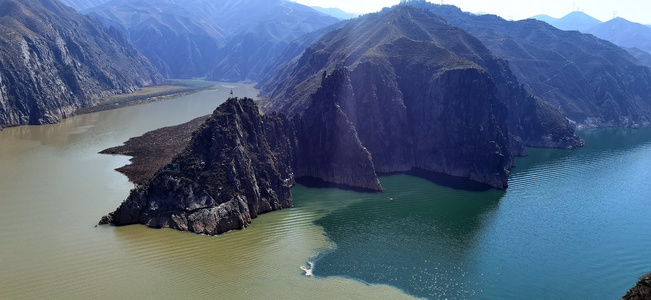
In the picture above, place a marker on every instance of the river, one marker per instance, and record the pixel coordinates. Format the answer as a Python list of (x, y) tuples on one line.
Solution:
[(573, 224)]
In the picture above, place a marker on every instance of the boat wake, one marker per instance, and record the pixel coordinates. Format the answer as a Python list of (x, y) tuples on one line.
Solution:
[(308, 269)]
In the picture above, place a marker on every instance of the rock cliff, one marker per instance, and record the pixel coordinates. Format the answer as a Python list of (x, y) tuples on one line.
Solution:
[(236, 166), (328, 144), (54, 60), (425, 95)]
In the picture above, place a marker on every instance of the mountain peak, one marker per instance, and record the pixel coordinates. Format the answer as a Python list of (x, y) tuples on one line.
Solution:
[(336, 12), (624, 33), (576, 20), (544, 18)]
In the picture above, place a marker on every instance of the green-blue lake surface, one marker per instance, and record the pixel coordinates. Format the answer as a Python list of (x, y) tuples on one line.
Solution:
[(572, 225)]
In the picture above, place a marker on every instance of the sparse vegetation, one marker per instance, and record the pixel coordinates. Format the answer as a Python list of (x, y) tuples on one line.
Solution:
[(154, 149)]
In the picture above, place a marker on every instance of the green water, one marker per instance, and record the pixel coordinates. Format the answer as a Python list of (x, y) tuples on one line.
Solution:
[(573, 224)]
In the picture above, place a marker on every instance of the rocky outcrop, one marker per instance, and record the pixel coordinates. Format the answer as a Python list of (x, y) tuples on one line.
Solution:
[(424, 95), (236, 167), (54, 60), (641, 291), (241, 163)]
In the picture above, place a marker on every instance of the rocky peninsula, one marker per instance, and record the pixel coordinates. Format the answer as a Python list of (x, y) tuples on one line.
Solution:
[(241, 163)]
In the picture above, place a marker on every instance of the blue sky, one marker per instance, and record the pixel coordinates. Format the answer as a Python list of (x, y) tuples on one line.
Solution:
[(633, 10)]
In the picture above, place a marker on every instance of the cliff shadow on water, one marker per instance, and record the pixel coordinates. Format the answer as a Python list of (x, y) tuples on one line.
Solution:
[(384, 238), (317, 183), (458, 183)]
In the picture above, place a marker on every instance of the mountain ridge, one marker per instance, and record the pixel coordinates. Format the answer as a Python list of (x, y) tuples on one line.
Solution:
[(624, 33), (225, 40), (377, 53), (54, 60), (592, 81), (576, 20)]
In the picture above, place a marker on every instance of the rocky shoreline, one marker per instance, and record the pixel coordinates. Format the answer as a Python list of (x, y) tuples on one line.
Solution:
[(641, 291)]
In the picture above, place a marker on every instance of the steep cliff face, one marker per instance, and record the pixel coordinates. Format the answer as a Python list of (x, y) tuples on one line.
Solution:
[(591, 81), (237, 166), (424, 95), (54, 60), (328, 145)]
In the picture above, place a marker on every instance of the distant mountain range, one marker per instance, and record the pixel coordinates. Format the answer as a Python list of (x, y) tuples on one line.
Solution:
[(336, 12), (634, 37), (226, 40), (624, 33), (54, 60), (575, 20), (593, 82), (254, 45)]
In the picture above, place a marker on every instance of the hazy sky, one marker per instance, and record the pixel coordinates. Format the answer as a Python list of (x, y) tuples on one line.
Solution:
[(633, 10)]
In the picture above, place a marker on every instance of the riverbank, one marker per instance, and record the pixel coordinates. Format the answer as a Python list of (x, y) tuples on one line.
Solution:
[(172, 88), (152, 150)]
